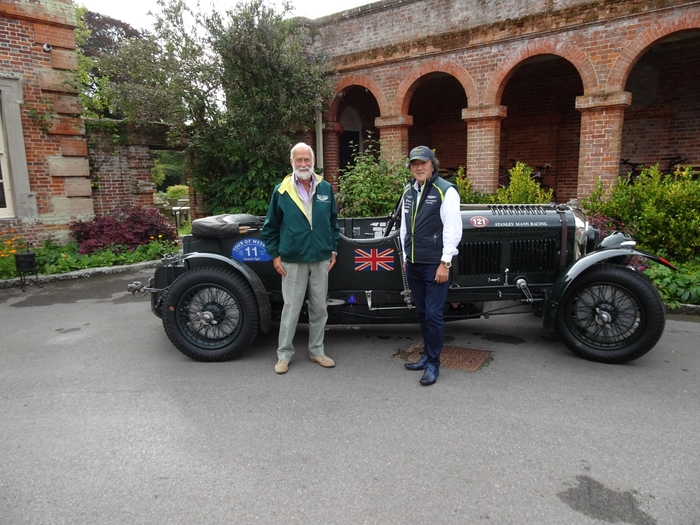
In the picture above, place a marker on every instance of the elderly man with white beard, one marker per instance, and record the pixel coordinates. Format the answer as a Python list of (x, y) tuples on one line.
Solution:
[(301, 235)]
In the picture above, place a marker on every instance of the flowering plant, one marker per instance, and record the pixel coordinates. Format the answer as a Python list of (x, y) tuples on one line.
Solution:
[(10, 244)]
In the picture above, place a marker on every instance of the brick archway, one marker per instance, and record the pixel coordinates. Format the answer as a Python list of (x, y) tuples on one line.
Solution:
[(631, 54), (494, 90), (357, 80), (409, 83)]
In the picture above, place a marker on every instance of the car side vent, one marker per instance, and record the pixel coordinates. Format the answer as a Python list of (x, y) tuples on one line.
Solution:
[(533, 256), (518, 209), (480, 258)]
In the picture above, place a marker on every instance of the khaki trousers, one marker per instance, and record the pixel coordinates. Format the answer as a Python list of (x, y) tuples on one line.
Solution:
[(300, 278)]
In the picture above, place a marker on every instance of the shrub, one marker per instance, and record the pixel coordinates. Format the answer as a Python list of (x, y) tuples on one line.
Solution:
[(676, 288), (178, 191), (660, 210), (466, 195), (520, 190), (372, 187), (123, 231), (229, 174)]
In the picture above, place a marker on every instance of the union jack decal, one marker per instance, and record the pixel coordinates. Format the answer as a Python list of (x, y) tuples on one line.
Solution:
[(374, 260)]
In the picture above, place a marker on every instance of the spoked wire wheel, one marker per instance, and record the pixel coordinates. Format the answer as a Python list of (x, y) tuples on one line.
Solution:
[(210, 314), (610, 314)]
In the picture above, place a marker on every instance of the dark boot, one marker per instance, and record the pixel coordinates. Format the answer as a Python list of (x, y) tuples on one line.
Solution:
[(430, 375), (418, 365)]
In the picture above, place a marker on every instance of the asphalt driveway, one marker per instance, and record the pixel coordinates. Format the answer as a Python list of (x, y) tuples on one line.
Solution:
[(103, 421)]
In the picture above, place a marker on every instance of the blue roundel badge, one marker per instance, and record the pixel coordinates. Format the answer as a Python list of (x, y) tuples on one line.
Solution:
[(250, 250)]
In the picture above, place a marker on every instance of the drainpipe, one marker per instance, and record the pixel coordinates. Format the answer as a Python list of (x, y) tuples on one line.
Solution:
[(319, 140)]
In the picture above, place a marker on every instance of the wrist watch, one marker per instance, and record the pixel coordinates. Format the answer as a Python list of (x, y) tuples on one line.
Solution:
[(447, 264)]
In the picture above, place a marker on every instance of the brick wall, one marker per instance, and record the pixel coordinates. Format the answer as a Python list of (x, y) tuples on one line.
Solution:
[(120, 164), (526, 72), (52, 187)]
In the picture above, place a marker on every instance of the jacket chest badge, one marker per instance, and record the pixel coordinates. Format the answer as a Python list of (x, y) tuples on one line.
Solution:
[(322, 198)]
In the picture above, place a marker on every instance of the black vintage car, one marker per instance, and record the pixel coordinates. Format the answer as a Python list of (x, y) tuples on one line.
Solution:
[(542, 259)]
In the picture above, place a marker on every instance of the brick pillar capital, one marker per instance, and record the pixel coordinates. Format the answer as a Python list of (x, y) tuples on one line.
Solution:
[(332, 126), (622, 99), (393, 121), (484, 113)]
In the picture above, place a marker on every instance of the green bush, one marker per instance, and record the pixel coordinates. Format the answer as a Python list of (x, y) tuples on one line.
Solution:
[(521, 189), (464, 186), (372, 187), (676, 288), (661, 211), (232, 177), (178, 191)]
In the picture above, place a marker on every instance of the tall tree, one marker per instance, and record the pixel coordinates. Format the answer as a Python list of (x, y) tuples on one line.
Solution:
[(98, 36), (238, 85), (272, 89)]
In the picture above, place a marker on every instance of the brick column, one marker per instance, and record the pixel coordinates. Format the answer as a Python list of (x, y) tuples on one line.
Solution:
[(393, 135), (331, 152), (483, 145), (140, 181), (602, 117)]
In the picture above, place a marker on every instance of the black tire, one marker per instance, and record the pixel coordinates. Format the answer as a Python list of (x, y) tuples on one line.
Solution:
[(210, 314), (610, 314)]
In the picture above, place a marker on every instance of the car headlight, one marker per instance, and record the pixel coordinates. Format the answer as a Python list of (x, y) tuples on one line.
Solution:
[(582, 228)]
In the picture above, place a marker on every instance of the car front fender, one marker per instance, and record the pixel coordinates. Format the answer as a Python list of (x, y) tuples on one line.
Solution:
[(197, 260), (567, 277)]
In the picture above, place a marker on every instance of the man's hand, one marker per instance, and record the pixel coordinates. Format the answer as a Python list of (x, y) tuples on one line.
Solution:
[(279, 266), (442, 274), (332, 263)]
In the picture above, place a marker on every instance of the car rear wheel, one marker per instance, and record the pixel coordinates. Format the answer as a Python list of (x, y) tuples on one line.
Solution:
[(210, 314), (610, 314)]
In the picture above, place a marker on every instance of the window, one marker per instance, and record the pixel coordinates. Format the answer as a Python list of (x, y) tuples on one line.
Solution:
[(16, 197), (6, 208)]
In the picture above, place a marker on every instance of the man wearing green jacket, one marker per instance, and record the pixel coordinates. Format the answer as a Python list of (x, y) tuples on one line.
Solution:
[(301, 235)]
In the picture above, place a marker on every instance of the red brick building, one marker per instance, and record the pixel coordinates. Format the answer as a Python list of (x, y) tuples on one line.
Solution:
[(46, 180), (567, 85)]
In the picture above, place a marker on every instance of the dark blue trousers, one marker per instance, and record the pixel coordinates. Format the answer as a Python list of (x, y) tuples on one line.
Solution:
[(429, 298)]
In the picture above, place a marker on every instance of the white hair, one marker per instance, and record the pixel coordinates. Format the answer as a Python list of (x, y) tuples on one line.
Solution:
[(302, 145)]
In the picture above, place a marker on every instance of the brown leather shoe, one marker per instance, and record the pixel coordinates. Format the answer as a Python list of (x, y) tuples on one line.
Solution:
[(282, 366), (323, 360)]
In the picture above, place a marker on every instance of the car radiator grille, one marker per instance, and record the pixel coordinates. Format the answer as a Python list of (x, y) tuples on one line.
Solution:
[(522, 257), (533, 256), (480, 258)]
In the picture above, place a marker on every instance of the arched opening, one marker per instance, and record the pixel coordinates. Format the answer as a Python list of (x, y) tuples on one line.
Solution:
[(663, 123), (543, 126), (357, 112), (436, 106)]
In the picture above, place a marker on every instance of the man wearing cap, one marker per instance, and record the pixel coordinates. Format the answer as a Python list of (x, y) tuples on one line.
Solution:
[(301, 235), (430, 232)]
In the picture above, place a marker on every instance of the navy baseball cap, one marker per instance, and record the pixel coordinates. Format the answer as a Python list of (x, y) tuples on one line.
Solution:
[(423, 153)]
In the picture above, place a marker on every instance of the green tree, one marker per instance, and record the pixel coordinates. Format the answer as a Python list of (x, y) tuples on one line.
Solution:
[(271, 89), (170, 168), (93, 89), (238, 86)]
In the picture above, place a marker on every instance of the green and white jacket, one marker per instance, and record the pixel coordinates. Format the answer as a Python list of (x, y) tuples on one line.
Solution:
[(298, 232)]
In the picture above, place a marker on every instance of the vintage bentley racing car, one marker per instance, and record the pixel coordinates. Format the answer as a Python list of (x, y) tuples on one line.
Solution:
[(222, 290)]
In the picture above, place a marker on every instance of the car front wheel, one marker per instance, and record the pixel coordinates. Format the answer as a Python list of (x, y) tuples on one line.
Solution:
[(210, 314), (610, 314)]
